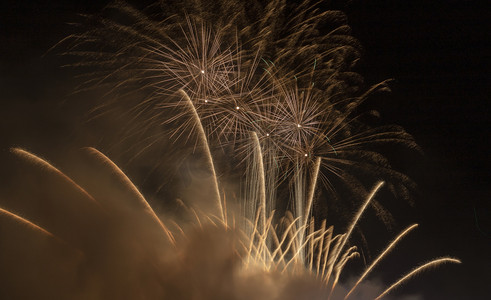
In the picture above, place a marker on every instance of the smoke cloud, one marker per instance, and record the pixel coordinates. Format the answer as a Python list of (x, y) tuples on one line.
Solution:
[(93, 236)]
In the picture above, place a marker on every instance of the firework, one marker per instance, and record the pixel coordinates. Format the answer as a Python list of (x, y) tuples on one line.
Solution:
[(270, 91)]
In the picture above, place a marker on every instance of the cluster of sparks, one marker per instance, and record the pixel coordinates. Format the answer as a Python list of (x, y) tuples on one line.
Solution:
[(296, 92)]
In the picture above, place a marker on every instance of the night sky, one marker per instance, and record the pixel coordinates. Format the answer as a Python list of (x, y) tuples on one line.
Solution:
[(438, 53)]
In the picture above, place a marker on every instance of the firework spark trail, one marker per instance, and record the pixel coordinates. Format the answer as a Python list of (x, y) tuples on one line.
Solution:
[(288, 231), (60, 205), (299, 182), (206, 148), (357, 217), (313, 185), (121, 176), (381, 256), (38, 229), (433, 263), (346, 237), (262, 181), (321, 246), (299, 254), (29, 224), (310, 198), (46, 165), (254, 190)]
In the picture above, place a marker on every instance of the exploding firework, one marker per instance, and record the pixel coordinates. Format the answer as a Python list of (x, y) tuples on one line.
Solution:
[(270, 72)]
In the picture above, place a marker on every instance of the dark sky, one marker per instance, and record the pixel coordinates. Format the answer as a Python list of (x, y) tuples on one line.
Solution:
[(439, 54)]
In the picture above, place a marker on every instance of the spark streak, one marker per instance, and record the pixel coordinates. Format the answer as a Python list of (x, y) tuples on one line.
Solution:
[(206, 148), (381, 256), (46, 165), (121, 176), (433, 263), (29, 224)]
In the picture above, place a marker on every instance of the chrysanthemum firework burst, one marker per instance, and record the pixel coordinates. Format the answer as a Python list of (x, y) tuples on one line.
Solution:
[(274, 74)]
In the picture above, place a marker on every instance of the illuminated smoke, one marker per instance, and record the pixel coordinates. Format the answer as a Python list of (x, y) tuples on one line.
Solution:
[(117, 247)]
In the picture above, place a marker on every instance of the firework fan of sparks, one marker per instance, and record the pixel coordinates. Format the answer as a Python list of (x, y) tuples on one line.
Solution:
[(108, 242)]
